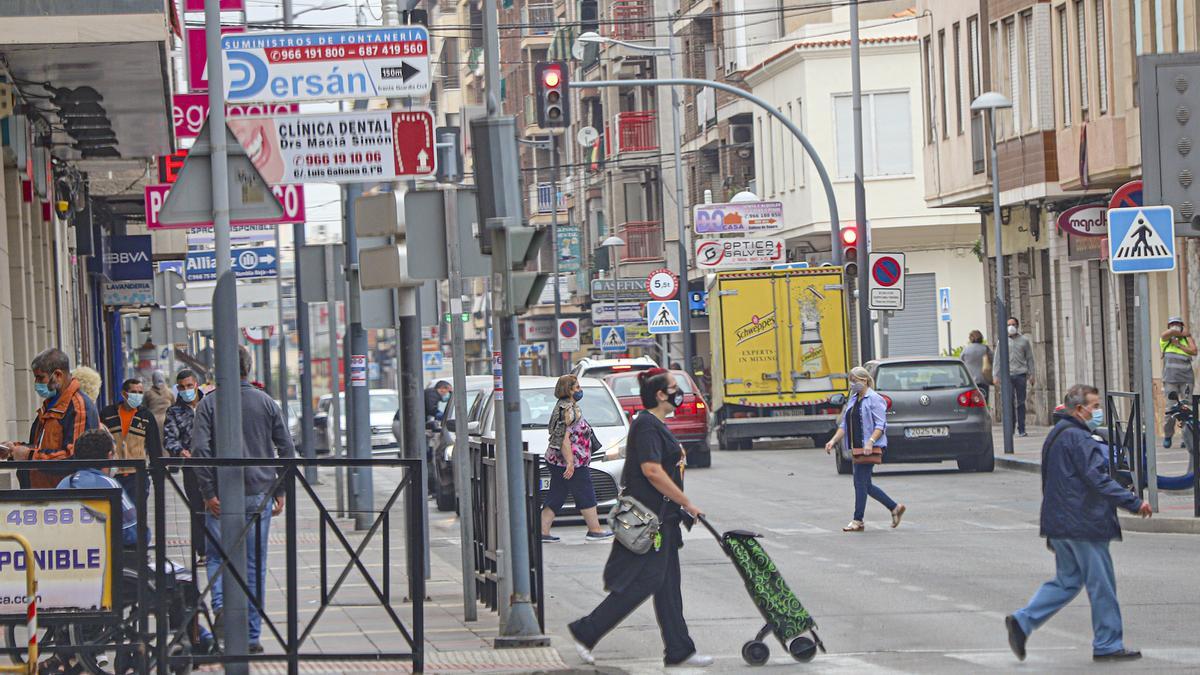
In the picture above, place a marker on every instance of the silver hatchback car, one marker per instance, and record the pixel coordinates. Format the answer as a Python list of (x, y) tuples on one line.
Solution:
[(935, 413)]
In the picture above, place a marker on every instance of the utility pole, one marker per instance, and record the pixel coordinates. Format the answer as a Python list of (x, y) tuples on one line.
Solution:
[(333, 419), (229, 388), (358, 396), (684, 293), (555, 356), (865, 330), (462, 466)]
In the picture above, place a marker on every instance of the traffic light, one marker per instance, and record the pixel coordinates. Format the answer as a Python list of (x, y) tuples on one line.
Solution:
[(553, 104), (523, 289), (850, 248)]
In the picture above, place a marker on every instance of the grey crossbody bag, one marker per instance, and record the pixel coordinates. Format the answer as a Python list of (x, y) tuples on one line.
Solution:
[(634, 526)]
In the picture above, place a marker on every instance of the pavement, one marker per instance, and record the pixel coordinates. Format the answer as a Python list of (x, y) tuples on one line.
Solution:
[(1175, 513)]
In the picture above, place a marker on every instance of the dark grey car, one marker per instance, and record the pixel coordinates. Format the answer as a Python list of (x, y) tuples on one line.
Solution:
[(935, 413)]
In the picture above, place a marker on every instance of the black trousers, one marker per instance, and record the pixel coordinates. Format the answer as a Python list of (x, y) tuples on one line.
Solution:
[(1019, 392), (660, 579), (195, 502)]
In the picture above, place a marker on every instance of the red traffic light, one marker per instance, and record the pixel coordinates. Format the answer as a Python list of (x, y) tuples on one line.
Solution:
[(551, 77), (849, 236)]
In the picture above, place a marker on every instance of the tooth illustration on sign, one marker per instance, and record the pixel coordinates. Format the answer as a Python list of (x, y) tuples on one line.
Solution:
[(1142, 241)]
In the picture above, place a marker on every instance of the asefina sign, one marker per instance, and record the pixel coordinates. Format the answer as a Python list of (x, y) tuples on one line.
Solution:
[(1087, 220)]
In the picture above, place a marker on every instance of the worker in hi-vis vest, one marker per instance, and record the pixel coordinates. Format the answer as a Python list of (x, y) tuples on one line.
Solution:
[(1177, 347)]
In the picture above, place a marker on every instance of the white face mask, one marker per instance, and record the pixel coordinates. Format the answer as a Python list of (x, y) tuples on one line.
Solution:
[(1012, 330)]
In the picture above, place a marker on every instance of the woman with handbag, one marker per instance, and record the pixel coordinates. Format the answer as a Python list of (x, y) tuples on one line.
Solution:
[(645, 560), (567, 456), (977, 357), (863, 427)]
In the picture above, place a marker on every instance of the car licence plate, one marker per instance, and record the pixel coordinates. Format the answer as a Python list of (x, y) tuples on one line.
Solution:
[(927, 432), (544, 483)]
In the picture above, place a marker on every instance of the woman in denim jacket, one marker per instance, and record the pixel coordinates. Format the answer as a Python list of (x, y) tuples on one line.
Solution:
[(863, 427)]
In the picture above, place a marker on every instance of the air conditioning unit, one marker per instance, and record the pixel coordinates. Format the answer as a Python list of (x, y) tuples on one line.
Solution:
[(741, 133)]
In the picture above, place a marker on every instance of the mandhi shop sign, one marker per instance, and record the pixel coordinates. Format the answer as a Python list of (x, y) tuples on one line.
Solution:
[(349, 147), (1088, 220), (712, 254), (291, 196), (324, 65)]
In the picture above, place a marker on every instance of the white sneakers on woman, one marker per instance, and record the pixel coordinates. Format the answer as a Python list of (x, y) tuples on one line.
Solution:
[(696, 660), (855, 526)]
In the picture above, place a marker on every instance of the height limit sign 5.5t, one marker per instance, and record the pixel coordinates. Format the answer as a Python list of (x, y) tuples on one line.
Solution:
[(886, 288)]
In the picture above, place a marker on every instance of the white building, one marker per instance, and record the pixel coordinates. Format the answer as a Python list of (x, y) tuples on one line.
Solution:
[(806, 76)]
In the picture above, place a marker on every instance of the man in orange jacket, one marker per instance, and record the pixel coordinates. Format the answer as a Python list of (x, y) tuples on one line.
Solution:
[(66, 412)]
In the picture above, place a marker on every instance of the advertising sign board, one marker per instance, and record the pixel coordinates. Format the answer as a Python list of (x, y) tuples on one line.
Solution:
[(712, 254), (1088, 220), (247, 263), (128, 258), (190, 110), (122, 293), (346, 147), (746, 217), (321, 65), (197, 56), (291, 196)]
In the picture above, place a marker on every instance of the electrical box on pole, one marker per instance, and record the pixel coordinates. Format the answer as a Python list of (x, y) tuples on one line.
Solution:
[(522, 243), (389, 266), (1169, 96), (553, 104)]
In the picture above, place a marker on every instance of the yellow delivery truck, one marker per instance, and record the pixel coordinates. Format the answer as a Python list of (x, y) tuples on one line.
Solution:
[(781, 353)]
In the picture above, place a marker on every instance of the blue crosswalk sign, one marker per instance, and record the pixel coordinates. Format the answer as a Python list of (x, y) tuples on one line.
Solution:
[(1141, 239), (662, 316), (433, 360), (612, 339)]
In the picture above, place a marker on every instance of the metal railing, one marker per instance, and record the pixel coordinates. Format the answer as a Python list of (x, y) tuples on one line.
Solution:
[(631, 20), (541, 198), (487, 545), (636, 131), (1126, 440), (538, 19), (643, 240)]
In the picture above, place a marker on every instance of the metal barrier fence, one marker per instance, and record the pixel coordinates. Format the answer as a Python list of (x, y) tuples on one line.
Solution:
[(1126, 438), (161, 616), (485, 509)]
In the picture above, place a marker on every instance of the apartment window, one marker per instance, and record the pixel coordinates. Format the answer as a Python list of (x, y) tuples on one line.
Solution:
[(1014, 74), (1081, 35), (958, 104), (1102, 57), (931, 97), (887, 135), (942, 81), (1064, 53), (973, 67), (1031, 78)]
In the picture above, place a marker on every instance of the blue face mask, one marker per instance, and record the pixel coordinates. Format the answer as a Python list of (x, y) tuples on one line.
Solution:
[(1097, 420), (188, 395), (134, 400), (577, 395), (43, 389), (445, 397)]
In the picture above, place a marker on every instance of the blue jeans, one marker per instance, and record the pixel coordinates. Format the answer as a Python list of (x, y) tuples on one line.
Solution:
[(256, 558), (864, 487), (1079, 564)]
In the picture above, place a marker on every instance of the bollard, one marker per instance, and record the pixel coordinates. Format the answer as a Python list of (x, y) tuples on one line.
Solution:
[(31, 622)]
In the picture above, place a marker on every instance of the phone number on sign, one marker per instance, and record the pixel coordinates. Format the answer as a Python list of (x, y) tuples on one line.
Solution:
[(343, 158), (335, 52), (69, 516)]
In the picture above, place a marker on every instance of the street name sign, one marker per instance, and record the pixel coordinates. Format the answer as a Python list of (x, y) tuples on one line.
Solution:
[(713, 254), (343, 147), (612, 339), (662, 316), (290, 196), (738, 217), (609, 312), (247, 263), (625, 289), (326, 65), (886, 282), (1141, 239)]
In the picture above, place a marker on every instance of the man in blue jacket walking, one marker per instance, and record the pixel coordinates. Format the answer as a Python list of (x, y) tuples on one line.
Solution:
[(1079, 518)]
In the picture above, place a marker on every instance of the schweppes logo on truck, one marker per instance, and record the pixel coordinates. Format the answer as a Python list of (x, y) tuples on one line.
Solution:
[(758, 325)]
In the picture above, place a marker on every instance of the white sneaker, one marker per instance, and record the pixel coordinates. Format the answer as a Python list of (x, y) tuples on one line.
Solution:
[(696, 660), (585, 654)]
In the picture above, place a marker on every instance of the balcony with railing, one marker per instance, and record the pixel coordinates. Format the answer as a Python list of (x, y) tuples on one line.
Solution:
[(541, 198), (643, 241), (631, 20), (635, 131), (537, 20)]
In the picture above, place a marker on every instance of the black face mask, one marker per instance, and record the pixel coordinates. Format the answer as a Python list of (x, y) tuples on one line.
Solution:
[(675, 399)]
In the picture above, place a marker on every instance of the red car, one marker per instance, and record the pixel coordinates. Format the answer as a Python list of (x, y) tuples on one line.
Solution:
[(690, 421)]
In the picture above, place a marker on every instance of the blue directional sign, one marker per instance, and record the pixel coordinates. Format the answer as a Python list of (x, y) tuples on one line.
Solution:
[(1141, 239), (944, 302), (248, 263), (612, 339), (433, 360), (662, 316)]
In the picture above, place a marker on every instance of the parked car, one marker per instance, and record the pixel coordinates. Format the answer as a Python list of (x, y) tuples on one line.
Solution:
[(601, 410), (321, 415), (442, 466), (589, 367), (689, 422), (383, 406), (291, 415), (934, 413)]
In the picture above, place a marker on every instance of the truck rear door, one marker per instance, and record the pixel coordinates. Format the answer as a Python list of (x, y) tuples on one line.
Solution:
[(754, 351)]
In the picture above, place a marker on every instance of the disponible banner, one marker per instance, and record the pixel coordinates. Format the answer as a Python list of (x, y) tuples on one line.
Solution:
[(348, 147), (291, 196)]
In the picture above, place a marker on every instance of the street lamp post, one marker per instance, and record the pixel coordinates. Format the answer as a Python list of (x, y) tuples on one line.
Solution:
[(680, 211), (612, 244), (989, 103)]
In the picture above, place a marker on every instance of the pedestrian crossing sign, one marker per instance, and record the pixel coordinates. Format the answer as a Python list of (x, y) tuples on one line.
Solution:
[(434, 361), (1141, 239), (612, 339), (662, 316)]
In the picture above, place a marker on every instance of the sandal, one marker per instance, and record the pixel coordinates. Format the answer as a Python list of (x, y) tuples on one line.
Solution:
[(897, 514), (854, 526)]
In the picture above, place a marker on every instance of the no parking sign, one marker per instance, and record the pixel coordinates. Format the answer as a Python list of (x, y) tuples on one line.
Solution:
[(568, 335), (886, 288)]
